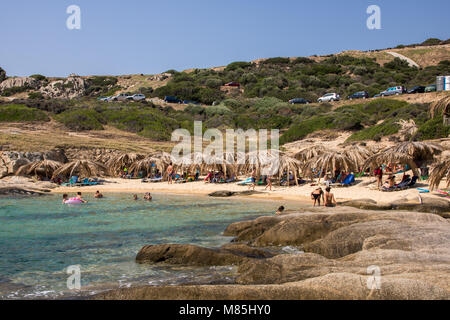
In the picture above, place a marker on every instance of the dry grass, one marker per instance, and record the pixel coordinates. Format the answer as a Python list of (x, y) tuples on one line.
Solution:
[(47, 136)]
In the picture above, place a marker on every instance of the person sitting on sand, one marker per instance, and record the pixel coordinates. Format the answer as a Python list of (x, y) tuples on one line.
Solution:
[(80, 198), (390, 182), (148, 196), (65, 198), (330, 201), (280, 211), (316, 195), (135, 197), (98, 195)]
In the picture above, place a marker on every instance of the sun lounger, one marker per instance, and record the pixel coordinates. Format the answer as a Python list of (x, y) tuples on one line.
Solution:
[(348, 181), (245, 182)]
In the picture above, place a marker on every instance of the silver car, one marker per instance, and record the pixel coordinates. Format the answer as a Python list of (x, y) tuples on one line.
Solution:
[(136, 97), (120, 97), (329, 97)]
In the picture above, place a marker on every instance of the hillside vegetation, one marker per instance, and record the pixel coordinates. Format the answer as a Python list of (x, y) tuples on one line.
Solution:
[(260, 103)]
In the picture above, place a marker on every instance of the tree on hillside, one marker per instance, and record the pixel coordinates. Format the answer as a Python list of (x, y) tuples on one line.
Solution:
[(2, 74)]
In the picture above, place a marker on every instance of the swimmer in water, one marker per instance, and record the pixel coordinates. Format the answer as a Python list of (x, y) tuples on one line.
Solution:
[(65, 196)]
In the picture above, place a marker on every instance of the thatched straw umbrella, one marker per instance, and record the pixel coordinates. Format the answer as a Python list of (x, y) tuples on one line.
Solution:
[(419, 151), (440, 106), (117, 163), (390, 156), (331, 160), (288, 164), (357, 154), (308, 153), (82, 168), (44, 168), (439, 172), (147, 163)]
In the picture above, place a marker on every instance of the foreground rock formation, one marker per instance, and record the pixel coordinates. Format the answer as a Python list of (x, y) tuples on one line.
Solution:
[(342, 249)]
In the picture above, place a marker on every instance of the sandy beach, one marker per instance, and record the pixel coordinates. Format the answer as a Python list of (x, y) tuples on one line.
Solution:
[(362, 190)]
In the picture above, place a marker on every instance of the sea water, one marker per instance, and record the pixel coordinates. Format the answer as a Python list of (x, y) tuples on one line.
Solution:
[(40, 238)]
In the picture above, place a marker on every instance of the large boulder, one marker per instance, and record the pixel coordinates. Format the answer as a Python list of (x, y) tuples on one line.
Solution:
[(185, 254), (334, 286), (73, 86), (19, 82)]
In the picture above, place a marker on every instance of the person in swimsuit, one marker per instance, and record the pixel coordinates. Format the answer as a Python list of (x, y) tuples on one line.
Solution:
[(316, 195), (98, 195), (269, 183), (65, 196), (148, 196), (253, 185), (80, 198), (135, 197), (330, 201), (170, 174), (280, 211)]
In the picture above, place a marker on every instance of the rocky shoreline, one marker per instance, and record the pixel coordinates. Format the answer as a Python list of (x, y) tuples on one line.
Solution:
[(410, 249)]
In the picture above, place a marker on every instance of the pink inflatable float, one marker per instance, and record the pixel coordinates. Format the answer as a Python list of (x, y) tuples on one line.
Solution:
[(73, 201)]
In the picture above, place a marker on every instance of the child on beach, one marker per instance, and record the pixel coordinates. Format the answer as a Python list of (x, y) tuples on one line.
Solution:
[(316, 195), (269, 183), (253, 184)]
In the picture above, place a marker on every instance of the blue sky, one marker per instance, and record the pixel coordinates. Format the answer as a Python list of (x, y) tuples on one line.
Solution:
[(148, 36)]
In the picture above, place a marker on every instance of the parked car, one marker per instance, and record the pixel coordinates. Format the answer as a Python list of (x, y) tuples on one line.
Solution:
[(359, 95), (329, 97), (393, 91), (431, 88), (103, 98), (190, 102), (417, 89), (299, 101), (119, 97), (232, 84), (136, 97), (171, 99)]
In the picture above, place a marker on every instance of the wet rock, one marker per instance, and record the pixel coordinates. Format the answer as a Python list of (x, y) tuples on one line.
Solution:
[(181, 254), (247, 251), (335, 286)]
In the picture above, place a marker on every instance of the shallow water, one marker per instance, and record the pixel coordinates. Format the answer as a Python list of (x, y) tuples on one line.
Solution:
[(40, 238)]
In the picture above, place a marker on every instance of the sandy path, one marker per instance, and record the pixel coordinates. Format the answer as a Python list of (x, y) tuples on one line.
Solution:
[(411, 62)]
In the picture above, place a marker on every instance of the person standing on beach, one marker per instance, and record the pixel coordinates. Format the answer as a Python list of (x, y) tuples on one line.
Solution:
[(253, 179), (170, 174), (269, 183), (316, 195), (378, 173)]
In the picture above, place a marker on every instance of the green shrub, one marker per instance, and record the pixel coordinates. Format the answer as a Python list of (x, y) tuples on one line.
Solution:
[(35, 95), (81, 119), (38, 77), (14, 90), (21, 113), (433, 129)]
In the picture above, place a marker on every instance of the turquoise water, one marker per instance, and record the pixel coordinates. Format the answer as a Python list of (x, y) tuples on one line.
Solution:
[(40, 238)]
